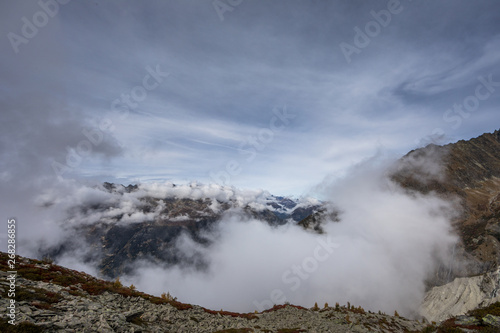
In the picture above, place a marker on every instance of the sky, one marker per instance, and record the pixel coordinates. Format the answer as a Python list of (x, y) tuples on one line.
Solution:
[(301, 98), (275, 95)]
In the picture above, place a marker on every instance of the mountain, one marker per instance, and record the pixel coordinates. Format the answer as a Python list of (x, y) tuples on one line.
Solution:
[(140, 222), (125, 224), (467, 171)]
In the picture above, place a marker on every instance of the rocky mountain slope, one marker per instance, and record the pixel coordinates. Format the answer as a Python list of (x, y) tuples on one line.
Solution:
[(460, 296), (470, 172), (51, 298), (55, 299), (467, 172)]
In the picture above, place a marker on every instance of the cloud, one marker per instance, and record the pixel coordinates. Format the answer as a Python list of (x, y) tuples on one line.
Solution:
[(378, 256), (226, 78)]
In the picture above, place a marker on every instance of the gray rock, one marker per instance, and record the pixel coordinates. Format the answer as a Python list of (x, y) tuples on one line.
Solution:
[(460, 296), (25, 309), (467, 321), (491, 320)]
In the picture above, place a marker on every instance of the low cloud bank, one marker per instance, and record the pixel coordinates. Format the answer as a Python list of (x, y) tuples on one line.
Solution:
[(129, 206), (379, 256), (387, 243)]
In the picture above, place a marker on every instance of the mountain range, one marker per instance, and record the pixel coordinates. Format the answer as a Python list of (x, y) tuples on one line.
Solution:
[(466, 171), (151, 227), (121, 225)]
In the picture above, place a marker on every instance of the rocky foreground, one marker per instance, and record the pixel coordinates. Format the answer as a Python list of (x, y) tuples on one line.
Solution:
[(50, 298), (55, 299)]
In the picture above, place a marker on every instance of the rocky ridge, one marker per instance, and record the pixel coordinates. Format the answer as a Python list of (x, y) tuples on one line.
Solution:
[(51, 298), (469, 172)]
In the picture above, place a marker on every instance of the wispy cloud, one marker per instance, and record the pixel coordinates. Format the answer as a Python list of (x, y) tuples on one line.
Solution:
[(225, 80)]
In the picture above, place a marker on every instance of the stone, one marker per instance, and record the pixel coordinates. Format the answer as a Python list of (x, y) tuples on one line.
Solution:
[(460, 296), (491, 320), (467, 321)]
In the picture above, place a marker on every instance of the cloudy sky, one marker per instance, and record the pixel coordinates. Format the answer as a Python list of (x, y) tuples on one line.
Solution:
[(250, 93)]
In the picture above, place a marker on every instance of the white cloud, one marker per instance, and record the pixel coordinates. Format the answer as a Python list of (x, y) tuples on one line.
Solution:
[(386, 245)]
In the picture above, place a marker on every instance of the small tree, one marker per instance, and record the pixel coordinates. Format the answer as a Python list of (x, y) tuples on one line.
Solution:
[(48, 260), (132, 287), (315, 307), (326, 305), (168, 297), (117, 283), (396, 314)]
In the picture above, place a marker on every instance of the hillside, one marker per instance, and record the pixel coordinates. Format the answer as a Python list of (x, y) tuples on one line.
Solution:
[(470, 172), (51, 298)]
